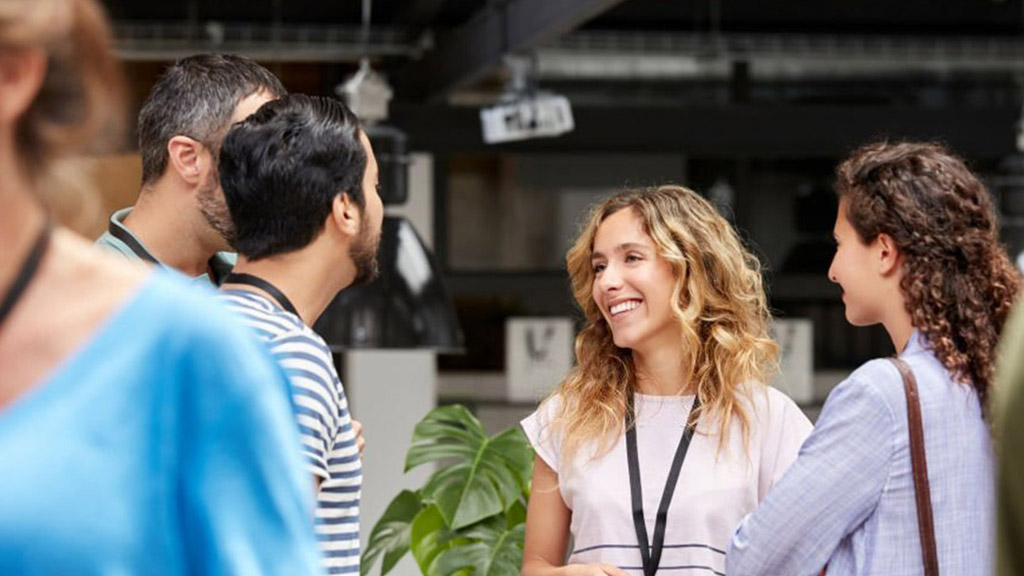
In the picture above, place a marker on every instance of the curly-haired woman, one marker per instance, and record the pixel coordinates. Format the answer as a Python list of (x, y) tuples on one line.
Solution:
[(918, 252), (664, 435)]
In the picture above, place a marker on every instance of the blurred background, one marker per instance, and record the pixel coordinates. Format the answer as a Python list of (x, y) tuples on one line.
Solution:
[(497, 123)]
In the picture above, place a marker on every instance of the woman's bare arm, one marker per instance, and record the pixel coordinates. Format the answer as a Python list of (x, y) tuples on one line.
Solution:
[(547, 531)]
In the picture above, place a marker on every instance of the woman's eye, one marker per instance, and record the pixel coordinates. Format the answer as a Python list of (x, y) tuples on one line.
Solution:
[(598, 268), (633, 258)]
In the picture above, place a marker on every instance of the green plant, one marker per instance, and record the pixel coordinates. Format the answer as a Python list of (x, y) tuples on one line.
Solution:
[(469, 518)]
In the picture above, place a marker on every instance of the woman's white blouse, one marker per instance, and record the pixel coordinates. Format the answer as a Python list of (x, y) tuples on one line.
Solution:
[(716, 488)]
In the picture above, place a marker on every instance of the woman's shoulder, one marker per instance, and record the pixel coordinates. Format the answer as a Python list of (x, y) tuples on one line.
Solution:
[(877, 379), (760, 397), (148, 316), (167, 304), (190, 315), (546, 413), (212, 353), (773, 408), (157, 307), (543, 435), (155, 298)]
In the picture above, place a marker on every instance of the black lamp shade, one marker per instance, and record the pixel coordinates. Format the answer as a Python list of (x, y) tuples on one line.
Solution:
[(407, 306)]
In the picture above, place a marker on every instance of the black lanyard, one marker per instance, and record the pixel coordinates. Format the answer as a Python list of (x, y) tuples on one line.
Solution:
[(28, 270), (651, 555), (119, 232), (134, 245), (250, 280)]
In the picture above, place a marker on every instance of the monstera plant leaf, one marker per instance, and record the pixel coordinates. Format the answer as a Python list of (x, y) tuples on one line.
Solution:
[(479, 476), (468, 520), (392, 535), (516, 514), (431, 537), (493, 548)]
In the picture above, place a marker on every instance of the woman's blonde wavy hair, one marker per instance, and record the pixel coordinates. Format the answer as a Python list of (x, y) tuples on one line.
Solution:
[(723, 317), (80, 105)]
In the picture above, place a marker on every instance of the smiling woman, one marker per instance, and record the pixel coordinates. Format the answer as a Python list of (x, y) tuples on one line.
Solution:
[(672, 359), (632, 286)]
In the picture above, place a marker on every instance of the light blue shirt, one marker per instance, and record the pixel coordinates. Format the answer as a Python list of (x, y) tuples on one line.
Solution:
[(166, 445), (220, 264), (849, 498)]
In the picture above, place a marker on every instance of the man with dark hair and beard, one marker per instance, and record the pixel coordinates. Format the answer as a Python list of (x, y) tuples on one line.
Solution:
[(300, 182), (180, 220)]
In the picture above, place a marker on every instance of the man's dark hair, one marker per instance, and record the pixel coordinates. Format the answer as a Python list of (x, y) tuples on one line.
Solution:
[(196, 97), (282, 168)]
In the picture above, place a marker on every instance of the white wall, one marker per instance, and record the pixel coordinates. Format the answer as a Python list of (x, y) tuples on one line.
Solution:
[(389, 390)]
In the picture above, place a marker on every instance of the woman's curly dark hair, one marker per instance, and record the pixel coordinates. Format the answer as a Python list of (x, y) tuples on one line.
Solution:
[(958, 281)]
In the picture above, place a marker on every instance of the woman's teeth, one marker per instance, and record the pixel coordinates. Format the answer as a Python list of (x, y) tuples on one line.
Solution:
[(624, 307)]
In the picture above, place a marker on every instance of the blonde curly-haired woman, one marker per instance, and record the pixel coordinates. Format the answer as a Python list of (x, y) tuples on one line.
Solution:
[(664, 436)]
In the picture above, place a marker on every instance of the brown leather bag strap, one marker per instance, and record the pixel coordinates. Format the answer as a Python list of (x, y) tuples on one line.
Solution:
[(922, 492)]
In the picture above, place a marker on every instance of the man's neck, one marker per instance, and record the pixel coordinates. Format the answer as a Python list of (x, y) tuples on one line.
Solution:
[(171, 230), (309, 281)]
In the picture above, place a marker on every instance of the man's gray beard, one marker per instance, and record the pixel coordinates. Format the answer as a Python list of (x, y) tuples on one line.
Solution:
[(215, 211)]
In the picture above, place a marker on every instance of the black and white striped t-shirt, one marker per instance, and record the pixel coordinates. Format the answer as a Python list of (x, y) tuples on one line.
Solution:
[(328, 440)]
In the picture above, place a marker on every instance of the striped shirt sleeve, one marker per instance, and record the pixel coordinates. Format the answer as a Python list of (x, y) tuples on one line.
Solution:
[(314, 387), (325, 425)]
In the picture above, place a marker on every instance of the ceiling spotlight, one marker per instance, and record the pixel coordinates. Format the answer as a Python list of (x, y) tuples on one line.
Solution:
[(522, 111), (367, 93)]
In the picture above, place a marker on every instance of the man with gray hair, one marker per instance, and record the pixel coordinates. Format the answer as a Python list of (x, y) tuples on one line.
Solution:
[(180, 219)]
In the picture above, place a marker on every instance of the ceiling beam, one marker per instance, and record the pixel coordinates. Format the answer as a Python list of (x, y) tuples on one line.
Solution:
[(467, 52), (168, 41), (758, 131)]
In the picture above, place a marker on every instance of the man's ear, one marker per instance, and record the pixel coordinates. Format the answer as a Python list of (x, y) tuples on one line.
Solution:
[(21, 75), (346, 215), (185, 156), (888, 254)]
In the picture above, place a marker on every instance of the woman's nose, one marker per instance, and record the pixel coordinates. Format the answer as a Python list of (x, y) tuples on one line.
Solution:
[(610, 279)]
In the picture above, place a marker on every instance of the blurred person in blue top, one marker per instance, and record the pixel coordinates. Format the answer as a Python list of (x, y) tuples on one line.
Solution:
[(918, 251), (141, 430)]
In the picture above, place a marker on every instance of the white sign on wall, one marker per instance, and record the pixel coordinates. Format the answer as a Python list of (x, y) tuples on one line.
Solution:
[(796, 349), (538, 355)]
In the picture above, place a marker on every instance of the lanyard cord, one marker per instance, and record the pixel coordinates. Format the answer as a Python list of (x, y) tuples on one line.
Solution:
[(133, 244), (27, 271), (651, 555), (250, 280)]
